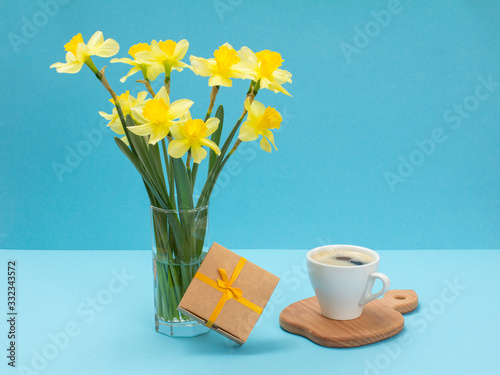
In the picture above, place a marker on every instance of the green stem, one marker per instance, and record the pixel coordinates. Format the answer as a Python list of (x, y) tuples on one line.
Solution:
[(213, 95), (193, 175)]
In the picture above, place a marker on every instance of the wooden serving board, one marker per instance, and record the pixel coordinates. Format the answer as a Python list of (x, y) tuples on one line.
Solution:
[(381, 319)]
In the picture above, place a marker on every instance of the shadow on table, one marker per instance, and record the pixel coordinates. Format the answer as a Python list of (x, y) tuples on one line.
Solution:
[(213, 343)]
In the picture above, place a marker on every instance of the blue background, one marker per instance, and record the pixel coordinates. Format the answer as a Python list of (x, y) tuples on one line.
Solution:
[(351, 121)]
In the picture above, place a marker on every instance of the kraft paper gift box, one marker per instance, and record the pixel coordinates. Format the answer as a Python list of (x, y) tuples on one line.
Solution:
[(228, 293)]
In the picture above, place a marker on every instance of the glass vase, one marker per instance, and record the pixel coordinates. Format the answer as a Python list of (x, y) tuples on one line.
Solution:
[(178, 250)]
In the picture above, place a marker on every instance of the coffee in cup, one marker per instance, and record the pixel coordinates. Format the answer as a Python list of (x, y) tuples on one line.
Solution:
[(343, 258)]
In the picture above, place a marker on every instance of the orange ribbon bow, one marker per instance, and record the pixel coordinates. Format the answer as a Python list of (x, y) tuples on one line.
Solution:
[(225, 283), (228, 291)]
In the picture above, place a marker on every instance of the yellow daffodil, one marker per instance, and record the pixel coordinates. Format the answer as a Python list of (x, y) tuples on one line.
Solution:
[(225, 65), (127, 103), (78, 53), (158, 115), (259, 122), (149, 71), (163, 56), (265, 66), (193, 134)]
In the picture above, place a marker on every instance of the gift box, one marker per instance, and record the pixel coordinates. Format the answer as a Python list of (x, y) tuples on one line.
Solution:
[(228, 293)]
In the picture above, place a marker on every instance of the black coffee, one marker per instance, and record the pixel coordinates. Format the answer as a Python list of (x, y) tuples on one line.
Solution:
[(343, 258)]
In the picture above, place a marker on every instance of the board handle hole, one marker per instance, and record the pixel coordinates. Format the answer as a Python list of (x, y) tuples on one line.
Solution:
[(400, 297)]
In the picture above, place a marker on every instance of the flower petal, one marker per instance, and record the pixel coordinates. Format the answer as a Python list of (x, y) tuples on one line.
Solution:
[(145, 129), (162, 94), (273, 86), (73, 67), (220, 80), (132, 71), (257, 109), (179, 65), (209, 143), (141, 97), (117, 126), (107, 116), (145, 57), (177, 131), (282, 76), (95, 40), (242, 71), (179, 107), (137, 115), (264, 144), (247, 104), (177, 148), (212, 125), (159, 132), (125, 140), (82, 52), (247, 56), (186, 116), (198, 153), (72, 64), (277, 88), (154, 71), (156, 52), (268, 134), (181, 49), (124, 60), (203, 67), (109, 48), (247, 132)]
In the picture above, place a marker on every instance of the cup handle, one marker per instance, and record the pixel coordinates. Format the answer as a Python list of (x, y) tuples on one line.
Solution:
[(368, 296)]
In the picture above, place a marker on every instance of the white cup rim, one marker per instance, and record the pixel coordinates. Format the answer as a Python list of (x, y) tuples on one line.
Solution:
[(322, 249)]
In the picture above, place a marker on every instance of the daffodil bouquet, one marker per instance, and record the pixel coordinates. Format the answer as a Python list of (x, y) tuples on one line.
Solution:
[(167, 145)]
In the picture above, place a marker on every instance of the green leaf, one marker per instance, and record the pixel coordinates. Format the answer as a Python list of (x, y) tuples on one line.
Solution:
[(216, 136), (183, 187), (149, 159), (135, 162)]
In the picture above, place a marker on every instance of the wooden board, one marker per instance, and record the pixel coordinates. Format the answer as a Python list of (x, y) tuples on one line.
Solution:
[(380, 320)]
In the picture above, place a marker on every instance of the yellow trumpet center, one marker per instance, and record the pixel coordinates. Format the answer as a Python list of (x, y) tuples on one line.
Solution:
[(195, 129), (167, 47), (225, 57), (72, 45), (268, 62), (138, 48), (270, 119), (156, 111)]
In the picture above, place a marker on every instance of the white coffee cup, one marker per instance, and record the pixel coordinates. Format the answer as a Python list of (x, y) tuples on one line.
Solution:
[(343, 291)]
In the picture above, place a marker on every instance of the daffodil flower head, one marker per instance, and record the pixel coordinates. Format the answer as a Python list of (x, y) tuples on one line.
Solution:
[(158, 115), (78, 53), (193, 135), (260, 121), (225, 65), (163, 57), (136, 65), (128, 104), (265, 66)]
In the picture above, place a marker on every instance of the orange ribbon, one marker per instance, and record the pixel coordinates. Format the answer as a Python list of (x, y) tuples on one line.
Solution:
[(228, 291)]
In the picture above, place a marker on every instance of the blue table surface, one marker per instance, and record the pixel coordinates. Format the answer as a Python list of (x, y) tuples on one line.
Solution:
[(104, 323)]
